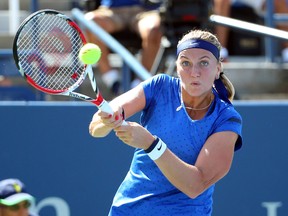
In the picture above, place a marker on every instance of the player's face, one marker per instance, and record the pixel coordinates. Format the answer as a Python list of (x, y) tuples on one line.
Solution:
[(20, 209), (197, 69)]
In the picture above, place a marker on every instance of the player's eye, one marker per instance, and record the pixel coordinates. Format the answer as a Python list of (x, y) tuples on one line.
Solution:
[(204, 63), (185, 63)]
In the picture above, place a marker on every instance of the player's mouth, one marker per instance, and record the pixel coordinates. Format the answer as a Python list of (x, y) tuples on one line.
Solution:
[(195, 83)]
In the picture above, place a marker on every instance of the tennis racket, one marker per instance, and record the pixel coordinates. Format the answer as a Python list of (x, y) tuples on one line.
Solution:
[(45, 50)]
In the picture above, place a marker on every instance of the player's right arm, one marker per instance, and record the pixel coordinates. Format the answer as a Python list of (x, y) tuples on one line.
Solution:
[(131, 102)]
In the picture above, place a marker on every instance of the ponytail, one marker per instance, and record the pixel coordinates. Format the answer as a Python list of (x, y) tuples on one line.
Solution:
[(228, 85)]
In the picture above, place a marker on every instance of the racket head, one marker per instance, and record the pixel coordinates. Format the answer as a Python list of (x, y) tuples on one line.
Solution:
[(45, 50)]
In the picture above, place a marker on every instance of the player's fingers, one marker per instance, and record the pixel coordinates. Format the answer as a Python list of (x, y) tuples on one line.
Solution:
[(124, 137), (104, 114), (122, 128)]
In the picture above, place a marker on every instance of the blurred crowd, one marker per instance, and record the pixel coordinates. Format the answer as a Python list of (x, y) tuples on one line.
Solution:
[(150, 20)]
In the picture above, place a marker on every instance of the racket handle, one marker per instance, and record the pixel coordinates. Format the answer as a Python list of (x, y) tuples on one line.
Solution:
[(105, 107)]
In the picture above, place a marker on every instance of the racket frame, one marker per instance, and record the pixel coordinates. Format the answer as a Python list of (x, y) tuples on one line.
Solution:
[(99, 101)]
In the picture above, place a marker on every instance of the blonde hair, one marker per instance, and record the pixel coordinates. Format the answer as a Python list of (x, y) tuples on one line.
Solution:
[(209, 37)]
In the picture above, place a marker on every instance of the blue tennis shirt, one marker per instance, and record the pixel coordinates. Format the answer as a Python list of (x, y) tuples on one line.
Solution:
[(145, 191)]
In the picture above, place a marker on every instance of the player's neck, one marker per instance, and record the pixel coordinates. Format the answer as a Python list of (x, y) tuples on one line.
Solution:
[(197, 103), (201, 107)]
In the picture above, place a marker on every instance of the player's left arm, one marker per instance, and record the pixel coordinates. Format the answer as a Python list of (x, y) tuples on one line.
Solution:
[(213, 163), (215, 158)]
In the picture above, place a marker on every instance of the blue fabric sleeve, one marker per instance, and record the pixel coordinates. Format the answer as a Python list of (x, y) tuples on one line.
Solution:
[(230, 120)]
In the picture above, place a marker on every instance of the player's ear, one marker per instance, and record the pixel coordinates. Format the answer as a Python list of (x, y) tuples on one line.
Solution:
[(219, 70)]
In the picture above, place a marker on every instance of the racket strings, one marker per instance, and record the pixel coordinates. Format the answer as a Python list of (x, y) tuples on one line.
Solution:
[(48, 50)]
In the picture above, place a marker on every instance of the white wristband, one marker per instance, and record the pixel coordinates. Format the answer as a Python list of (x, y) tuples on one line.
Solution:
[(158, 148)]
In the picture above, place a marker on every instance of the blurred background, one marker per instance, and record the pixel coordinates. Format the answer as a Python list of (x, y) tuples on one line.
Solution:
[(254, 65), (45, 140)]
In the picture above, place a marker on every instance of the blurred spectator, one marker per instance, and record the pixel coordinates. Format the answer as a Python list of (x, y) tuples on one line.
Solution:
[(259, 6), (14, 199), (222, 8), (4, 81), (117, 15)]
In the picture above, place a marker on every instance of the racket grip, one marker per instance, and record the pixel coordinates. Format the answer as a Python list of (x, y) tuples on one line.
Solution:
[(105, 107)]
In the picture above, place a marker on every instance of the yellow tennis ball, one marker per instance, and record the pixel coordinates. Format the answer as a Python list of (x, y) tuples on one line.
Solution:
[(90, 53)]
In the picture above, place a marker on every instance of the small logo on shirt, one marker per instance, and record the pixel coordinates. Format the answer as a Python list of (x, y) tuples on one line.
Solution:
[(179, 108)]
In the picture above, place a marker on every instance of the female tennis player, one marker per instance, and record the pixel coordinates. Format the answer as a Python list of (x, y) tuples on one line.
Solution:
[(186, 138)]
